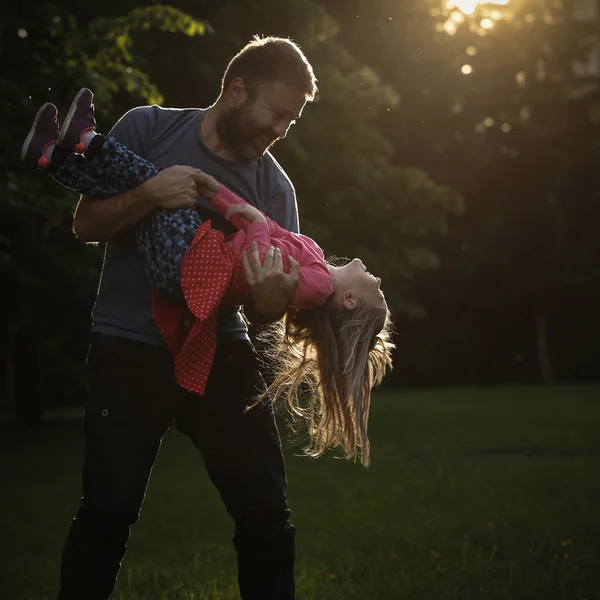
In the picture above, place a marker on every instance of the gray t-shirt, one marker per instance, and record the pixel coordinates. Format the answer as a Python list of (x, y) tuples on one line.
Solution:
[(167, 137)]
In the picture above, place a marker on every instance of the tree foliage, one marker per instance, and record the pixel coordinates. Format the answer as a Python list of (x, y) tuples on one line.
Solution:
[(48, 278), (508, 116), (353, 198)]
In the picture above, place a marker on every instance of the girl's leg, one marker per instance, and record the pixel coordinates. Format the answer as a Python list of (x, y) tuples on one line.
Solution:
[(107, 169), (163, 239), (164, 236), (41, 138)]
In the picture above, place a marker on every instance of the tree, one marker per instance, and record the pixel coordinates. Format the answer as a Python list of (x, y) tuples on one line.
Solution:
[(48, 277), (498, 103), (352, 198)]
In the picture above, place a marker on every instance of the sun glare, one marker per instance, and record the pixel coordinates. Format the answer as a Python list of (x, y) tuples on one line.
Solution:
[(481, 15), (468, 7)]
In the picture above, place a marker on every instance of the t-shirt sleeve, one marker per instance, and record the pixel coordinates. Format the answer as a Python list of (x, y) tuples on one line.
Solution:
[(283, 209), (134, 129)]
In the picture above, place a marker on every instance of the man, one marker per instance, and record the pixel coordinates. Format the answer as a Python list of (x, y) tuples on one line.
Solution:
[(133, 397)]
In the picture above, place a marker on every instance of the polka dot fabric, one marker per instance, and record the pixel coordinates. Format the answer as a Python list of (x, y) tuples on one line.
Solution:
[(211, 275)]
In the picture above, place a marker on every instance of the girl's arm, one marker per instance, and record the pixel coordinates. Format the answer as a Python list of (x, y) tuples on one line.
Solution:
[(255, 224), (270, 287), (235, 209), (238, 212), (247, 211)]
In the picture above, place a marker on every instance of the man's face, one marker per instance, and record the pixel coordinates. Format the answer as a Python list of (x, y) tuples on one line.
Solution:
[(253, 125)]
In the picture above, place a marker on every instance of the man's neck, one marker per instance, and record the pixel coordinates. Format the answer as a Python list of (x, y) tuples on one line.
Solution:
[(210, 137)]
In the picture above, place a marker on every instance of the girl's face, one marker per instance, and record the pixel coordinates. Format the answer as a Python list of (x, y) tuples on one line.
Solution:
[(354, 285)]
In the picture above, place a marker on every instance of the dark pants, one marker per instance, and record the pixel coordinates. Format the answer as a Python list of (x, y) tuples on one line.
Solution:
[(132, 400)]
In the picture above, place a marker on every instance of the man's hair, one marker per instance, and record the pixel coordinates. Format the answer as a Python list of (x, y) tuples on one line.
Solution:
[(326, 360), (270, 59)]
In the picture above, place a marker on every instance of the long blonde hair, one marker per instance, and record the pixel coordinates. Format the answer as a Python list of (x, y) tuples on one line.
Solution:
[(326, 360)]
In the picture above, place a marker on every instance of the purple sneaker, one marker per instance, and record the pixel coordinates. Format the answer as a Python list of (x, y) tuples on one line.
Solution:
[(80, 119), (43, 132)]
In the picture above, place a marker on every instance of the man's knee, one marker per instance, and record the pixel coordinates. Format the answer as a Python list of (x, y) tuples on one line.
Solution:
[(91, 522), (265, 527)]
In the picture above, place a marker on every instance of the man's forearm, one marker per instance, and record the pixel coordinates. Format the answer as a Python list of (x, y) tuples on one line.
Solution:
[(100, 220)]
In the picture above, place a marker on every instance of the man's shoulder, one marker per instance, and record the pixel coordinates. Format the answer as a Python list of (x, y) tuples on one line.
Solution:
[(276, 173), (149, 117), (143, 127), (162, 114)]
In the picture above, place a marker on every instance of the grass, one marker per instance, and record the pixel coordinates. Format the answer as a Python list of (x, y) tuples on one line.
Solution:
[(473, 493)]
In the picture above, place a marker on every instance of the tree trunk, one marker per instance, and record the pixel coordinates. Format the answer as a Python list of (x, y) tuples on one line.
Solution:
[(543, 350)]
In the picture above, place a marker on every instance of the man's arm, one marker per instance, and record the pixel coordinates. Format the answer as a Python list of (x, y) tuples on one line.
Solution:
[(100, 220)]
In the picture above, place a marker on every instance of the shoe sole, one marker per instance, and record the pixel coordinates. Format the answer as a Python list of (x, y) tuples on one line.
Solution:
[(72, 110), (31, 133)]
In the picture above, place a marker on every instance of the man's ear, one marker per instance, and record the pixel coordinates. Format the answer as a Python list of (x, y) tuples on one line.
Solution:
[(238, 91), (348, 300)]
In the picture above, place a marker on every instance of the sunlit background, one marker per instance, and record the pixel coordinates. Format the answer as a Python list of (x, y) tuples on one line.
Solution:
[(466, 92), (454, 146), (478, 16)]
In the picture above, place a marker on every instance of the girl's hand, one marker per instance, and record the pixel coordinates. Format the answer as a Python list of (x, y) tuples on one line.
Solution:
[(206, 184), (247, 211)]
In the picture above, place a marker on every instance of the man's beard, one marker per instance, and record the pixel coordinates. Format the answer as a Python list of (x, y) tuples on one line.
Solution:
[(237, 131)]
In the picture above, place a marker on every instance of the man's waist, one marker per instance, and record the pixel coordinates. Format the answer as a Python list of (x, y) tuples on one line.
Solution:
[(231, 327)]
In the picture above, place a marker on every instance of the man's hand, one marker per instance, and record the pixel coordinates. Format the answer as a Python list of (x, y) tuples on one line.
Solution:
[(270, 288), (172, 188), (249, 212)]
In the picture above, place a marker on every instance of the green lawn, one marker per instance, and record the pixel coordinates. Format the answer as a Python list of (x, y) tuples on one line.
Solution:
[(474, 493)]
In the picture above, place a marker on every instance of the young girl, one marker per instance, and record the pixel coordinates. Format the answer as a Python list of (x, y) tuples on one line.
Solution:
[(335, 345)]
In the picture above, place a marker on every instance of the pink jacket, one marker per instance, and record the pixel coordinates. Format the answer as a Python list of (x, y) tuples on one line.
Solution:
[(212, 275), (314, 285)]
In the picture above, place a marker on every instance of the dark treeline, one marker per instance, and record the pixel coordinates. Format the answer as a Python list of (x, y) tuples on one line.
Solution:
[(454, 154)]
